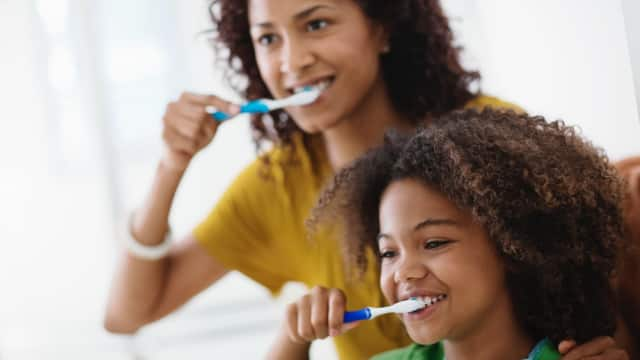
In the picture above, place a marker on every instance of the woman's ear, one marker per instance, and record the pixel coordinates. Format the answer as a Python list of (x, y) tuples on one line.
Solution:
[(382, 34)]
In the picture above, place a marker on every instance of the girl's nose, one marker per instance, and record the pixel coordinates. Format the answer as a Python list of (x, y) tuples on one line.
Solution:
[(410, 268)]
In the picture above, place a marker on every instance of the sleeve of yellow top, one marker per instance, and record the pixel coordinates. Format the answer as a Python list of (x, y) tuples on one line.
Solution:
[(483, 101), (238, 231)]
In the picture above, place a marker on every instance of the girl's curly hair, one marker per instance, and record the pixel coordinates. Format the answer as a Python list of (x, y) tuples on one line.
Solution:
[(422, 71), (549, 200)]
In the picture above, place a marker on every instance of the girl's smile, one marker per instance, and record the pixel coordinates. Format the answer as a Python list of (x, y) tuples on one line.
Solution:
[(435, 251)]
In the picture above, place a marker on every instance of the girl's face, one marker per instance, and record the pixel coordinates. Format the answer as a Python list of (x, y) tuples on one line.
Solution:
[(431, 249), (329, 44)]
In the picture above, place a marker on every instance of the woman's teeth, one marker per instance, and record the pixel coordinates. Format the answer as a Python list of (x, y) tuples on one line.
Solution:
[(319, 86)]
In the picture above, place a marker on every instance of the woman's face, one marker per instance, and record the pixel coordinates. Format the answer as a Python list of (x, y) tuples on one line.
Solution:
[(328, 44), (433, 250)]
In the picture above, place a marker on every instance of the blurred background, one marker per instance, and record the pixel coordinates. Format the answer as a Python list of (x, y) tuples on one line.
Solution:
[(84, 84)]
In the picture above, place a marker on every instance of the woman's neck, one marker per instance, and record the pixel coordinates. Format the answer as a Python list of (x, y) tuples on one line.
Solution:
[(364, 128), (496, 336)]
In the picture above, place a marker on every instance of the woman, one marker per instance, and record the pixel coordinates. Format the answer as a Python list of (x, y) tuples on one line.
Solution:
[(380, 64)]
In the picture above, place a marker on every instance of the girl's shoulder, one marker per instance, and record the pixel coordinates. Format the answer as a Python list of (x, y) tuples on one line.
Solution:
[(414, 352)]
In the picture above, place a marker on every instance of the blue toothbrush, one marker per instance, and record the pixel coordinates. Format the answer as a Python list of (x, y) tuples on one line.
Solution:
[(368, 313), (262, 106)]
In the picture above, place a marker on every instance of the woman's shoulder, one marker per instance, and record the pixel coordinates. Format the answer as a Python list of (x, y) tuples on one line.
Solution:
[(482, 101), (413, 352), (283, 172)]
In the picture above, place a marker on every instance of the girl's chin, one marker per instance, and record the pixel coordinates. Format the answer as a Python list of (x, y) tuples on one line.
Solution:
[(423, 338)]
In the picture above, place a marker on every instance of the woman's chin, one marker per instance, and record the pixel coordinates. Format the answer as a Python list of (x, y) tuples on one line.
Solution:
[(317, 125)]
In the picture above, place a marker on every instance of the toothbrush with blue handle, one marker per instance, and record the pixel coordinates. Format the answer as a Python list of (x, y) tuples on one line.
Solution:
[(368, 313), (262, 106)]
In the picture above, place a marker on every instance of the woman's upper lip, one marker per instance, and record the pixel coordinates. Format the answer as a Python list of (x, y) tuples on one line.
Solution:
[(306, 82)]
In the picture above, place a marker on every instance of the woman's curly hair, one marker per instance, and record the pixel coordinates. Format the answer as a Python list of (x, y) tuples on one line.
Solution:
[(550, 201), (422, 71)]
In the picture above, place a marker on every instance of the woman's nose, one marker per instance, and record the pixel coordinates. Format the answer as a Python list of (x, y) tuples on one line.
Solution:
[(296, 57)]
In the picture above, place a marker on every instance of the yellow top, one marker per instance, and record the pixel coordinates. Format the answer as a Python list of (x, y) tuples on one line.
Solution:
[(258, 229)]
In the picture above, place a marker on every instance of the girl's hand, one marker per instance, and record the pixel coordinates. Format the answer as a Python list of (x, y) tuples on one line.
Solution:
[(187, 127), (601, 348), (317, 315)]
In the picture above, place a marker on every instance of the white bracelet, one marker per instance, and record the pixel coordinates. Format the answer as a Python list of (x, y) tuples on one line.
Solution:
[(145, 252)]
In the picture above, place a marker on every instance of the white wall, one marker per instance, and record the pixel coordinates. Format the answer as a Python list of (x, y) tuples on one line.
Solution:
[(563, 59), (631, 10)]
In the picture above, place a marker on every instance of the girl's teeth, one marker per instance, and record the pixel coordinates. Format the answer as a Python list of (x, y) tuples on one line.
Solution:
[(432, 300)]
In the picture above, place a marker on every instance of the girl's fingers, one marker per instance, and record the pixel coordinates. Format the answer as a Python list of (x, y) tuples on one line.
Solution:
[(346, 327), (305, 330), (320, 312), (292, 323), (337, 305)]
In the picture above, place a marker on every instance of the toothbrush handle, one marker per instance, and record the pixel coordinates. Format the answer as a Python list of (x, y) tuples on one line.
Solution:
[(362, 314), (256, 106), (220, 116)]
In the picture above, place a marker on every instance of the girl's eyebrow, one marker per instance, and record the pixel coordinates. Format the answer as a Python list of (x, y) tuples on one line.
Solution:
[(435, 222), (423, 224), (297, 17)]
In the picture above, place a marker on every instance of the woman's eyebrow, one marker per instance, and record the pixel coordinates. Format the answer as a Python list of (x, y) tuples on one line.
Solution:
[(308, 12), (297, 17)]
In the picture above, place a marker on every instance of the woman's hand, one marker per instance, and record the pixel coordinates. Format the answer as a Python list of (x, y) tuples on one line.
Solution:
[(600, 348), (188, 128), (317, 315)]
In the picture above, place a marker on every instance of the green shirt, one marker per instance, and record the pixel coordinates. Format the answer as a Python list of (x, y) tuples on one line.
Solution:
[(544, 350)]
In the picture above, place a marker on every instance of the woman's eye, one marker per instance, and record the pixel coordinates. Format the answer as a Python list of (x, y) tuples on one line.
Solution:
[(266, 39), (435, 244), (317, 25)]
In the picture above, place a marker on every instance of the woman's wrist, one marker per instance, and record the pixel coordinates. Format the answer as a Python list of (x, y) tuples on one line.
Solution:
[(172, 163)]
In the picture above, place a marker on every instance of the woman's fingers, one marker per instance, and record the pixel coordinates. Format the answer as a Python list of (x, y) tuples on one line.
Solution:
[(599, 348), (188, 128), (211, 100)]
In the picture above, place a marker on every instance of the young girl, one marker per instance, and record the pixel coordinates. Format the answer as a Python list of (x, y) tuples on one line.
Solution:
[(379, 63), (508, 226)]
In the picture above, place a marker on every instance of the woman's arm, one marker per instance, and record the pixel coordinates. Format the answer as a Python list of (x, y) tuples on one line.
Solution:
[(146, 290)]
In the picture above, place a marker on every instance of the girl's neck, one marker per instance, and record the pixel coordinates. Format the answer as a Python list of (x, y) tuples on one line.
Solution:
[(497, 336), (364, 128)]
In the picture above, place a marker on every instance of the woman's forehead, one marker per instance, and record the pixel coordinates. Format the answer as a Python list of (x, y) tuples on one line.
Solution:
[(271, 11)]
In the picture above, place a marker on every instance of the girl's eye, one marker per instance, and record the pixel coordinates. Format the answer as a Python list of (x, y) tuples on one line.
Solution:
[(317, 25), (435, 244), (387, 254), (266, 39)]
